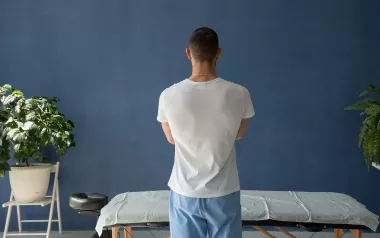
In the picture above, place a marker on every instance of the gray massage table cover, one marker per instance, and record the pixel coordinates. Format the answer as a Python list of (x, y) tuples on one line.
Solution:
[(313, 207)]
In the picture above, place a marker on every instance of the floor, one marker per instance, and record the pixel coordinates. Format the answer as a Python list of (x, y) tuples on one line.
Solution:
[(164, 234)]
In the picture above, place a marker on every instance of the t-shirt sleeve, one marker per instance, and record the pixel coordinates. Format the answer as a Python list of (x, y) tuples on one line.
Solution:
[(161, 117), (248, 110)]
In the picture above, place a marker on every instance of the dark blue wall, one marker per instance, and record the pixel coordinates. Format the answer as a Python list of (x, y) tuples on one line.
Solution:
[(108, 61)]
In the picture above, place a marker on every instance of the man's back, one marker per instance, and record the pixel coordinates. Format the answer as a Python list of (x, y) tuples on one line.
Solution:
[(204, 119)]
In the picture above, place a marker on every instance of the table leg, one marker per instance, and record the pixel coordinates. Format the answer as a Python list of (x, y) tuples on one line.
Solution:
[(357, 233), (115, 230), (127, 232)]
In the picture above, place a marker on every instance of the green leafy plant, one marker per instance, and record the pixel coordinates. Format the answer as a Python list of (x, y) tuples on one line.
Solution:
[(29, 124), (369, 135)]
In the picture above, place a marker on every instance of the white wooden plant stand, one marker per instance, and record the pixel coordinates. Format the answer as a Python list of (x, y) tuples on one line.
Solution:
[(48, 200)]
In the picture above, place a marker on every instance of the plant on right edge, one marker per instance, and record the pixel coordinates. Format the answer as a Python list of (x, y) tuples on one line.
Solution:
[(369, 135)]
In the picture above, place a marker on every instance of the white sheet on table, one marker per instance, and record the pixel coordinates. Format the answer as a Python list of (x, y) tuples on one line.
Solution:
[(316, 207)]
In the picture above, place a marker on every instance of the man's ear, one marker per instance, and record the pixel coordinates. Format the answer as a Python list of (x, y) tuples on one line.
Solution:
[(218, 53), (188, 53)]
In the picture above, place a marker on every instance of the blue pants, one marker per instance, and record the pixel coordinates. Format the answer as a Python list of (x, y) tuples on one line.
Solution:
[(219, 217)]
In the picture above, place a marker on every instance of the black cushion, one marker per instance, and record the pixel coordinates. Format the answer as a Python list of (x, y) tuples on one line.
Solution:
[(88, 201)]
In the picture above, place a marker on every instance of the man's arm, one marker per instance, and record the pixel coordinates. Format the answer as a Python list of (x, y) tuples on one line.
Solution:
[(168, 132), (242, 129), (248, 112), (161, 117)]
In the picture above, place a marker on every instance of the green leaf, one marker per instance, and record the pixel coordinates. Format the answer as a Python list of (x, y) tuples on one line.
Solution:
[(3, 91), (17, 92), (10, 119), (362, 105), (9, 99), (364, 93), (29, 101), (18, 108), (372, 110), (43, 131), (377, 146), (378, 125), (373, 89), (51, 99), (368, 120), (37, 157), (45, 142), (29, 125), (367, 149), (19, 156), (362, 135), (71, 124), (13, 132), (17, 147), (31, 116), (19, 137), (3, 168), (19, 124), (5, 131), (8, 87)]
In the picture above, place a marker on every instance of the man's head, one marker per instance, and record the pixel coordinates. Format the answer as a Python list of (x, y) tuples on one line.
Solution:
[(204, 45)]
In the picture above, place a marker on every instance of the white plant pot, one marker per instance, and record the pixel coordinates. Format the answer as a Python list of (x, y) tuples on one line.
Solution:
[(377, 166), (30, 183)]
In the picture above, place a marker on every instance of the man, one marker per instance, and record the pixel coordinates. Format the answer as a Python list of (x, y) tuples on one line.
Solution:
[(202, 116)]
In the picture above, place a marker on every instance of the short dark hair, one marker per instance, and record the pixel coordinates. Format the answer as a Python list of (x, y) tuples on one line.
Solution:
[(204, 44)]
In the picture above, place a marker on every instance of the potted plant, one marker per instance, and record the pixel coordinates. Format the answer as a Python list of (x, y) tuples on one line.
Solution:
[(369, 135), (27, 125)]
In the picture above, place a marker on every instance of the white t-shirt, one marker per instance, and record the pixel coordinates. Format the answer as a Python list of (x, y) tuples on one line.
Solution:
[(204, 118)]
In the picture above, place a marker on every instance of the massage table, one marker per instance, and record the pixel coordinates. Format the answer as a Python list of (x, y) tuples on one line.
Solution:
[(313, 211)]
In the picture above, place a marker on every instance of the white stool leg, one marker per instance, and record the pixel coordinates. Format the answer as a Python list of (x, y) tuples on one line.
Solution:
[(53, 198), (7, 221), (50, 218), (59, 211), (19, 219)]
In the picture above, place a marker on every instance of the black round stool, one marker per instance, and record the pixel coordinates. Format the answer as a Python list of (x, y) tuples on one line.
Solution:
[(89, 204)]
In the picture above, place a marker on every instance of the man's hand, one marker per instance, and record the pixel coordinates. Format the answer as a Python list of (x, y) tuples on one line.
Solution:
[(168, 132), (242, 129)]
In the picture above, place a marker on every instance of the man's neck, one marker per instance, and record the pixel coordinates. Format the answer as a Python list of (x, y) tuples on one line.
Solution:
[(203, 71)]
